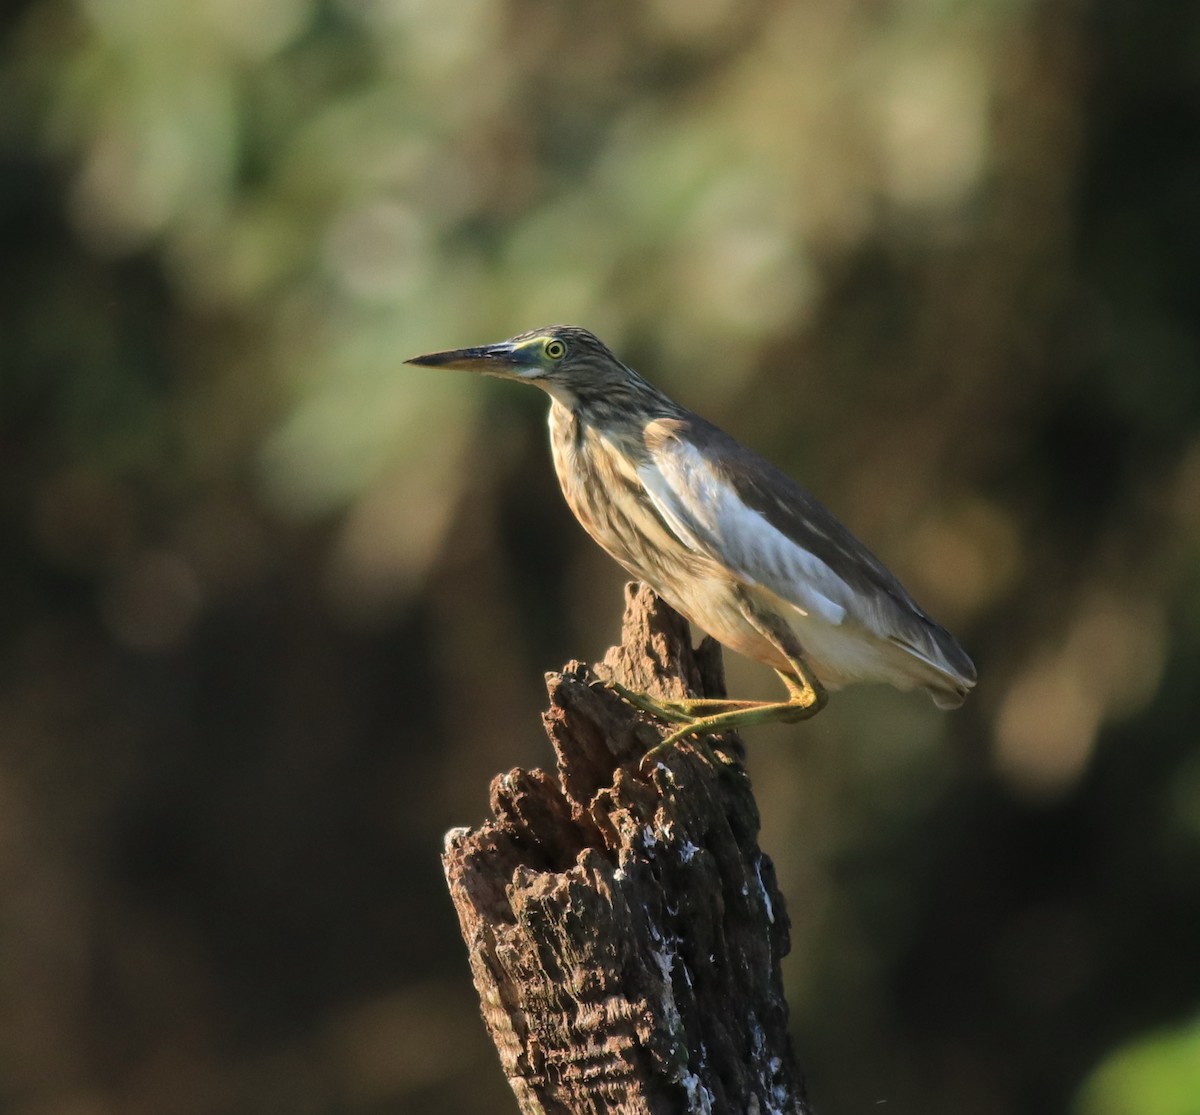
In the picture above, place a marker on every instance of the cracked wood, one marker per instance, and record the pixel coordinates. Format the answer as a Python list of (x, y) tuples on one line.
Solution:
[(624, 929)]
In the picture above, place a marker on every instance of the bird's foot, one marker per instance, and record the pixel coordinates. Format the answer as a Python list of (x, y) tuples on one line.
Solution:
[(690, 714), (744, 714), (671, 711), (708, 716), (683, 711), (696, 728)]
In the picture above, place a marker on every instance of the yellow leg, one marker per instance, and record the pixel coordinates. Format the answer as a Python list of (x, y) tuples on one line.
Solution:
[(682, 711), (706, 715), (806, 698)]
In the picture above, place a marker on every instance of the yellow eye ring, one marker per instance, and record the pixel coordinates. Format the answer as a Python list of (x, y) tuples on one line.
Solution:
[(555, 349)]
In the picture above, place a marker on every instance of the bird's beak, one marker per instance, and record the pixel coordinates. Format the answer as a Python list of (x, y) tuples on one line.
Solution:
[(496, 360)]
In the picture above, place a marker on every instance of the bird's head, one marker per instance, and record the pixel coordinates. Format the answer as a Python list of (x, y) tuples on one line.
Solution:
[(567, 362)]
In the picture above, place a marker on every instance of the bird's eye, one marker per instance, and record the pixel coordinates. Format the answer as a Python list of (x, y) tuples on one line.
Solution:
[(555, 349)]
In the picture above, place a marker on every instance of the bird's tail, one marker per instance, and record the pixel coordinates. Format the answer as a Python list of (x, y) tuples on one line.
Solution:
[(947, 672)]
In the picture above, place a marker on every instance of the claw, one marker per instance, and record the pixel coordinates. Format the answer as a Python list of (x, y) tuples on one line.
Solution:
[(670, 711), (704, 716)]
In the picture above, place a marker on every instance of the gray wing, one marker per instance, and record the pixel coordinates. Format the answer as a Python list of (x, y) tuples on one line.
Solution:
[(726, 502)]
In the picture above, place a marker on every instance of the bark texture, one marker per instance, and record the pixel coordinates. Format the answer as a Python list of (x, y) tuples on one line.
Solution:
[(625, 931)]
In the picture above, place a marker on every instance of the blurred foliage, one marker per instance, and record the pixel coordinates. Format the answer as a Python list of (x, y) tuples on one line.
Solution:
[(936, 260), (1159, 1075)]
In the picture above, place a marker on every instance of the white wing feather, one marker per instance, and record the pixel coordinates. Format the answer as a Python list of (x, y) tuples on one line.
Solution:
[(707, 515)]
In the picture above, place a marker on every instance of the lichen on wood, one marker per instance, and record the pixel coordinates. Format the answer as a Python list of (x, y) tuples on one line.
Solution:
[(625, 931)]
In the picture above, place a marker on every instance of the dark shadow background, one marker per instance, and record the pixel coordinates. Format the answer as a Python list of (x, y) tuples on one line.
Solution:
[(937, 261)]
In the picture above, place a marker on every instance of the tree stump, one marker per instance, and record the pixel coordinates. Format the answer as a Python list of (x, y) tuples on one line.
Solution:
[(625, 931)]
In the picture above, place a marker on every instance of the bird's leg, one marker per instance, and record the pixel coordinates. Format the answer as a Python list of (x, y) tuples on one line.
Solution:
[(678, 711), (806, 698), (806, 695)]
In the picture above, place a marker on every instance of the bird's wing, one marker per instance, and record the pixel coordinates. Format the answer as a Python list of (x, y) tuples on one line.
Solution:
[(726, 502)]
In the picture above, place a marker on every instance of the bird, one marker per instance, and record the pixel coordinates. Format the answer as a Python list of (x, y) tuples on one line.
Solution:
[(723, 536)]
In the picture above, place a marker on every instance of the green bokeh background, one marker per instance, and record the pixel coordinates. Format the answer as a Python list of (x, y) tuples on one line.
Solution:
[(275, 607)]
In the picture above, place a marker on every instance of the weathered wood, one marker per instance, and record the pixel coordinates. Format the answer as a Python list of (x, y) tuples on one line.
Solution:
[(625, 931)]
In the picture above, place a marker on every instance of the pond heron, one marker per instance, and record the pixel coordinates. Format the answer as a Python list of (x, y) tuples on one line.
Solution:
[(723, 536)]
